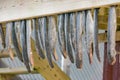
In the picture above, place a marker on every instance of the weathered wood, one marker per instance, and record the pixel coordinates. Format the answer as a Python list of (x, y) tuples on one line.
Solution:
[(103, 37), (14, 71), (42, 66), (23, 9)]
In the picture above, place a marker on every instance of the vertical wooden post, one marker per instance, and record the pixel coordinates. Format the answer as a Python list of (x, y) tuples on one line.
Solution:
[(111, 72)]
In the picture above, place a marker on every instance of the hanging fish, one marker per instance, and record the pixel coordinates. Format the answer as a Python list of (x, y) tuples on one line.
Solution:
[(52, 36), (8, 40), (112, 25), (17, 32), (61, 35), (2, 39), (68, 38), (73, 31), (29, 51), (15, 44), (89, 34), (41, 30), (37, 43), (96, 46), (79, 24), (23, 41), (48, 53)]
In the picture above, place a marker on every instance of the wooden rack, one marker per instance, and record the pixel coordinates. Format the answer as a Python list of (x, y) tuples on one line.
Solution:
[(13, 10)]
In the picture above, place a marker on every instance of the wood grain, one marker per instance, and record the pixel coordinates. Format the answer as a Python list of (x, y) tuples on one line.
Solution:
[(24, 9)]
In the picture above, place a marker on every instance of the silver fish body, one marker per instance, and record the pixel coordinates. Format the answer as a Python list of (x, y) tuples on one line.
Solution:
[(47, 47), (41, 23), (37, 43), (61, 35), (96, 46), (73, 31), (2, 39), (89, 34), (68, 38), (15, 43), (8, 40), (17, 32), (52, 36), (28, 33), (79, 31), (23, 41), (112, 25)]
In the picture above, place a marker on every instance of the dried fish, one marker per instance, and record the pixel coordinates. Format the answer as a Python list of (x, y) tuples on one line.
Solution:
[(79, 24), (52, 36), (2, 39), (112, 25), (40, 33), (41, 30), (61, 35), (89, 35), (48, 53), (29, 51), (17, 32), (73, 31), (96, 46), (23, 41), (15, 43), (68, 38), (37, 43), (8, 40)]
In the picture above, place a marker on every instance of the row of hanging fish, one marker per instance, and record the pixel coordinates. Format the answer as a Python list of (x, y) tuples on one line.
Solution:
[(69, 30)]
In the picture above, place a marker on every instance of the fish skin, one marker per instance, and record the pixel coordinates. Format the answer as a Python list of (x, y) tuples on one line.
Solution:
[(8, 40), (23, 41), (112, 25), (2, 39), (68, 38), (48, 53), (61, 35), (79, 31), (29, 51), (96, 45), (43, 29), (40, 34), (37, 43), (52, 36), (15, 43), (73, 31), (17, 32), (89, 35)]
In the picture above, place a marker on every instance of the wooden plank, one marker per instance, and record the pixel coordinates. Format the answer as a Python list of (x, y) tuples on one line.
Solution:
[(103, 37), (14, 71), (24, 9), (103, 26)]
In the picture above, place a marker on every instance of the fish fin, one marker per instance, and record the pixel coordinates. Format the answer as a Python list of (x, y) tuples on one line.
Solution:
[(55, 55), (91, 54), (79, 63), (31, 59), (11, 53)]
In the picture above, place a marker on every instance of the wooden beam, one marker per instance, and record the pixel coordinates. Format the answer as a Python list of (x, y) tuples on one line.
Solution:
[(14, 71), (103, 37), (42, 66), (23, 9)]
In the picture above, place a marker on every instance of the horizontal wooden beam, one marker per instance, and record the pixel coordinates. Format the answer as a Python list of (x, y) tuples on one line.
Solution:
[(23, 9), (102, 37), (14, 71)]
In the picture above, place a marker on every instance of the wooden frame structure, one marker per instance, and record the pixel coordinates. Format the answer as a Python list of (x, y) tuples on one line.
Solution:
[(22, 9)]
